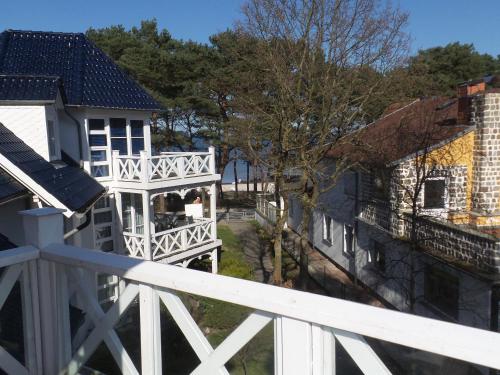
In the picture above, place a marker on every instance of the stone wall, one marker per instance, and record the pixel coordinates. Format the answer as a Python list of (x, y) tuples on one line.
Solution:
[(485, 115), (467, 246)]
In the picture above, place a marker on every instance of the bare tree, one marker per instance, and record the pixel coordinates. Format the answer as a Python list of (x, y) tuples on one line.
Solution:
[(322, 63)]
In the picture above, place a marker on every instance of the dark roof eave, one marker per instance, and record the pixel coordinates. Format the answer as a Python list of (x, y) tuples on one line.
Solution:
[(116, 108)]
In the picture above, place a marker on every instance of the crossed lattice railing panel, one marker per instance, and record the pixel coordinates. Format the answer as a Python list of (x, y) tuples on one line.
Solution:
[(134, 243), (129, 168), (172, 241), (164, 167)]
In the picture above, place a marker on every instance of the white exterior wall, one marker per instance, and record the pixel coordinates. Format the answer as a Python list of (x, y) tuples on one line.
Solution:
[(29, 123), (474, 293)]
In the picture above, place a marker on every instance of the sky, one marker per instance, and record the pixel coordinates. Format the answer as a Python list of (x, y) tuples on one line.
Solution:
[(432, 22)]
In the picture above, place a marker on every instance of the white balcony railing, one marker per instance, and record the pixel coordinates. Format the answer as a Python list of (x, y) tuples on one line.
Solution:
[(172, 241), (164, 167), (306, 326)]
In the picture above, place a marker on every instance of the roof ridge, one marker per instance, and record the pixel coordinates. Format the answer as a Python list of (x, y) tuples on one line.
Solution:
[(44, 32), (30, 76)]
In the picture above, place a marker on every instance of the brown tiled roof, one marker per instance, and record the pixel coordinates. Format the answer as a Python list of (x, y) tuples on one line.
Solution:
[(418, 126)]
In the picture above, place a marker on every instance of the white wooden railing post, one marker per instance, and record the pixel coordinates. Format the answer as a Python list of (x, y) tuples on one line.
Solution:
[(44, 226), (149, 302), (116, 165), (302, 348), (180, 166), (211, 150), (144, 167)]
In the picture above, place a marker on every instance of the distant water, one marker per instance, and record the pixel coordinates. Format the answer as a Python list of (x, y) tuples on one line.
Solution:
[(228, 176)]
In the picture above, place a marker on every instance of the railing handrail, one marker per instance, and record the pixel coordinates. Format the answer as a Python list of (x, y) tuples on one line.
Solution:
[(199, 221), (448, 339), (130, 234), (189, 153), (18, 255)]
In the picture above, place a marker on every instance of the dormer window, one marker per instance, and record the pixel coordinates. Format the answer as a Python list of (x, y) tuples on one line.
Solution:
[(128, 140)]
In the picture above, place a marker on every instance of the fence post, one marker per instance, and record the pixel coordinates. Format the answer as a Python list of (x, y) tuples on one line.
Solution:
[(302, 348), (44, 226)]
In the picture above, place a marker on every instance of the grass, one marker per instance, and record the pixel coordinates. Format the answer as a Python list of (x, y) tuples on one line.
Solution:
[(219, 318)]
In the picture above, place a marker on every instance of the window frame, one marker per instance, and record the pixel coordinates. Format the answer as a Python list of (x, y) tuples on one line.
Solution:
[(327, 229), (109, 207), (445, 195), (344, 247), (376, 248)]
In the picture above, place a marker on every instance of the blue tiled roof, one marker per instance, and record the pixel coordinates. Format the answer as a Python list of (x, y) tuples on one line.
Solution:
[(9, 188), (28, 87), (70, 185), (89, 77)]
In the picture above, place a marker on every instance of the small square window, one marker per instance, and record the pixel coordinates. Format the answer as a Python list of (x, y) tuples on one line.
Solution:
[(96, 124), (136, 128), (97, 140), (118, 127), (348, 239), (434, 193), (99, 170)]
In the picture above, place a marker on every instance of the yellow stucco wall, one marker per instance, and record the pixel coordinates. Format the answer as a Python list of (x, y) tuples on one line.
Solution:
[(458, 152)]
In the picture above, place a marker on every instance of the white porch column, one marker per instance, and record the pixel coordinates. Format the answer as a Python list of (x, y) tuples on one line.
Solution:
[(148, 217), (302, 348), (213, 209), (118, 235), (149, 302), (44, 226), (215, 261)]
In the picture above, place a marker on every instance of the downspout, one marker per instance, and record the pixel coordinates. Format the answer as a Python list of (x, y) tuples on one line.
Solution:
[(72, 232), (79, 130)]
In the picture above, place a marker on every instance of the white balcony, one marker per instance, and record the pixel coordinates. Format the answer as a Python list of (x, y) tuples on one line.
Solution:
[(179, 242), (306, 326), (154, 171)]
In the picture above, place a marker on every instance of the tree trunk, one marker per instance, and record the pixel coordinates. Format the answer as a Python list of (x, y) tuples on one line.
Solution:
[(255, 176), (248, 177), (235, 176), (278, 231)]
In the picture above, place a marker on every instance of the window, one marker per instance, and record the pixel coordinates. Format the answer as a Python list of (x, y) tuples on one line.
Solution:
[(434, 193), (107, 288), (137, 136), (381, 180), (327, 229), (103, 224), (133, 221), (52, 139), (441, 290), (118, 133), (377, 256), (348, 239), (98, 144)]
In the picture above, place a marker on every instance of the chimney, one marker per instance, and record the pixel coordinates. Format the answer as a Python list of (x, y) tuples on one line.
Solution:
[(464, 93)]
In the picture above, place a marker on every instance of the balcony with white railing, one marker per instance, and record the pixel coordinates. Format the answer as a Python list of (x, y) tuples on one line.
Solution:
[(56, 279), (183, 241), (175, 167)]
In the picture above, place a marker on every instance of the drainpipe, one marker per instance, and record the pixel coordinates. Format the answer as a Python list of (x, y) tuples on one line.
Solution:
[(79, 129), (72, 232)]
